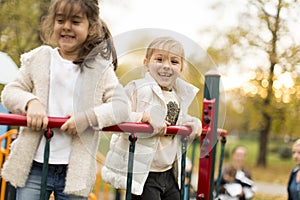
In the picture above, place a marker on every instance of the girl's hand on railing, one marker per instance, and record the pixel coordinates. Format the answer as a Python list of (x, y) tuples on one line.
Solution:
[(76, 124), (37, 118)]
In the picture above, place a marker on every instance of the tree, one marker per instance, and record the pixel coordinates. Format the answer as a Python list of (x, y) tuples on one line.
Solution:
[(19, 26), (264, 43)]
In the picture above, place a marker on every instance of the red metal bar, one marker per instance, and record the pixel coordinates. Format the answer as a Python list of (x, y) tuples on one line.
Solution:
[(206, 156), (57, 122), (20, 120)]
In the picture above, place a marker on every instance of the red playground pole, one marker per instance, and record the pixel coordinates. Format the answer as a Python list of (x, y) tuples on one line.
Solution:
[(206, 153), (209, 140)]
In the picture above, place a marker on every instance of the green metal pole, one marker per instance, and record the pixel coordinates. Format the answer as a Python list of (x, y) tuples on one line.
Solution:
[(183, 165), (48, 134), (189, 176), (132, 138), (223, 142)]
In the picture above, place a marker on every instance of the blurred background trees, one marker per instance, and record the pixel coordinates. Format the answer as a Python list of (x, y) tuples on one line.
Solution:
[(19, 25), (264, 46)]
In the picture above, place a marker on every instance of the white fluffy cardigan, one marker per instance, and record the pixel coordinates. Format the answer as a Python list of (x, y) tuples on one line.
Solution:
[(149, 96), (98, 89)]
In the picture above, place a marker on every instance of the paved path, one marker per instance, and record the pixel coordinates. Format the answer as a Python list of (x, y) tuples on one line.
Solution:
[(270, 188), (261, 187)]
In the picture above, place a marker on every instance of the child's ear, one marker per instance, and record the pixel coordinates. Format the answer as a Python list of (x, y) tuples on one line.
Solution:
[(146, 64), (92, 31)]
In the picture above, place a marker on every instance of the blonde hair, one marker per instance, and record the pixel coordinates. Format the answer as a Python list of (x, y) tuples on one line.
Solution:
[(167, 44), (297, 142)]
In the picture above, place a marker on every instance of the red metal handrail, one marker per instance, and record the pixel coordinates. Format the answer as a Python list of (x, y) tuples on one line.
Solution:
[(57, 122), (20, 120)]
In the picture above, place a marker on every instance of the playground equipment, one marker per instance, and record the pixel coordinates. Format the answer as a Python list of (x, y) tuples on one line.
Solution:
[(208, 141)]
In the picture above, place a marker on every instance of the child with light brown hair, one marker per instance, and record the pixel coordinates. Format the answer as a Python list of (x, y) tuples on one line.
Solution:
[(161, 98)]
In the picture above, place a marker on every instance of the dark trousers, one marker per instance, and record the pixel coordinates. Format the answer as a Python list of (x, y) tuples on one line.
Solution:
[(159, 186)]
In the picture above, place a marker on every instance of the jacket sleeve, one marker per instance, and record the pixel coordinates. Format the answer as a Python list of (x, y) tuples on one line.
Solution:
[(131, 93), (115, 107)]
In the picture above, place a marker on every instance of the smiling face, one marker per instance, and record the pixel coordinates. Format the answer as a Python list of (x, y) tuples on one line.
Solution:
[(70, 30), (164, 61), (164, 67)]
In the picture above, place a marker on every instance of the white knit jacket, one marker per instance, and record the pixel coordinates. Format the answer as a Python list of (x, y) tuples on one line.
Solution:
[(149, 94), (98, 89)]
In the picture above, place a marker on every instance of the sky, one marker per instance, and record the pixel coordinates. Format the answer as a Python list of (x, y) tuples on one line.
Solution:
[(186, 17)]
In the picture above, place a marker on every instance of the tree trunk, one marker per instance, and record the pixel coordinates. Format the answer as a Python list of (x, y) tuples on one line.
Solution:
[(273, 23), (263, 141)]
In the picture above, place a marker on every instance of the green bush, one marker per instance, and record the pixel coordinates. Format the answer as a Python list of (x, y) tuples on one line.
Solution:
[(285, 153)]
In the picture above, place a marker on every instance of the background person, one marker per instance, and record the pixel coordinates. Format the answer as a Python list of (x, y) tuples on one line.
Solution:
[(294, 180), (231, 188), (243, 175)]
